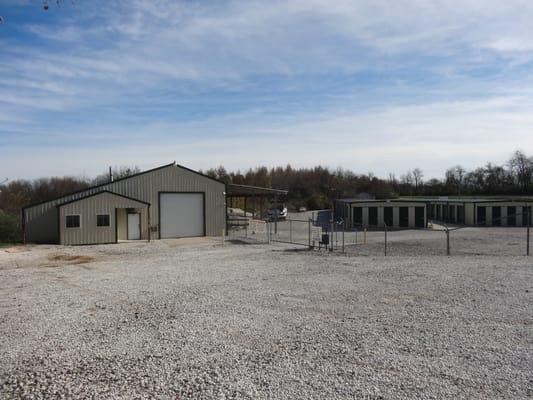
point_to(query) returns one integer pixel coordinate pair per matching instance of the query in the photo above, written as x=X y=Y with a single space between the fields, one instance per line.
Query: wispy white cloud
x=388 y=81
x=396 y=139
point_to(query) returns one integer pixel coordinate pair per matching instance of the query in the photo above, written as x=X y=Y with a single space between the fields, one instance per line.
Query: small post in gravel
x=528 y=216
x=385 y=239
x=527 y=248
x=331 y=226
x=290 y=230
x=336 y=235
x=447 y=241
x=309 y=232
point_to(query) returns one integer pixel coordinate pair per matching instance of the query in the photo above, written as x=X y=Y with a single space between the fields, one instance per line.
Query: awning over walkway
x=241 y=196
x=234 y=190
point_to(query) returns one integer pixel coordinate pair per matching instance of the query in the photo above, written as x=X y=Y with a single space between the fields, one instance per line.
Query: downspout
x=226 y=206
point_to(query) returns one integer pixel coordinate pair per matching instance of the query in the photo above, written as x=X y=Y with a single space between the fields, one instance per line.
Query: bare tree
x=522 y=169
x=406 y=181
x=455 y=177
x=116 y=173
x=417 y=178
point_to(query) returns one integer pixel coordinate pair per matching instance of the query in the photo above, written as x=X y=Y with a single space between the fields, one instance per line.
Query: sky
x=372 y=86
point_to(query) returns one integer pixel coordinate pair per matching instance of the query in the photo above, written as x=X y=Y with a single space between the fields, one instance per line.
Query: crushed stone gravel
x=149 y=320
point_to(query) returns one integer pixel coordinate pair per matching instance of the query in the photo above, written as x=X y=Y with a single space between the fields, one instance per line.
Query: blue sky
x=373 y=86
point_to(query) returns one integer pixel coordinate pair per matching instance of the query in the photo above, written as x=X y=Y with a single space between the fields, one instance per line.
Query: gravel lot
x=205 y=321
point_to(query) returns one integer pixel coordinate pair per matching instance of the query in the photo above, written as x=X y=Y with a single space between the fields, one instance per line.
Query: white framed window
x=103 y=220
x=73 y=221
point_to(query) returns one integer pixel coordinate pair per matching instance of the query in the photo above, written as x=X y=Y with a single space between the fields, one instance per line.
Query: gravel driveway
x=149 y=320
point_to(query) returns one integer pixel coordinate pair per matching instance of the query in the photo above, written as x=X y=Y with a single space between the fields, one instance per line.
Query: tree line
x=318 y=187
x=313 y=188
x=19 y=193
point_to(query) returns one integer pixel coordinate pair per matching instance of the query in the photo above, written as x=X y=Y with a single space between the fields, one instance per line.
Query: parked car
x=277 y=213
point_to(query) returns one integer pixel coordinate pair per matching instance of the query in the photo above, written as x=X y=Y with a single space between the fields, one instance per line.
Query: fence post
x=527 y=241
x=364 y=236
x=385 y=239
x=309 y=232
x=343 y=239
x=331 y=234
x=447 y=241
x=290 y=230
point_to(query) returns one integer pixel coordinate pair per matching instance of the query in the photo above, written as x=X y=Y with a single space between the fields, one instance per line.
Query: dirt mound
x=72 y=259
x=15 y=249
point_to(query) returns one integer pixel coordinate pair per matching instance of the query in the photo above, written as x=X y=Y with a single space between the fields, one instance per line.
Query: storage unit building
x=378 y=213
x=166 y=202
x=481 y=211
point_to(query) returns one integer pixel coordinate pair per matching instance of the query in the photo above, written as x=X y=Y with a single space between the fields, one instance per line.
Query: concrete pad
x=193 y=241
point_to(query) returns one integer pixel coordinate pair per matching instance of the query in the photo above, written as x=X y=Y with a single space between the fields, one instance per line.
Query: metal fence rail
x=316 y=232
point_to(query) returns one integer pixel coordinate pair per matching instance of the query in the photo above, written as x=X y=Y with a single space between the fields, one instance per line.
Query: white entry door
x=134 y=226
x=181 y=215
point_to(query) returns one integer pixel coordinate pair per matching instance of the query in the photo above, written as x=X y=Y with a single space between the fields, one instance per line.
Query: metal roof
x=248 y=191
x=470 y=199
x=102 y=192
x=353 y=201
x=122 y=179
x=442 y=199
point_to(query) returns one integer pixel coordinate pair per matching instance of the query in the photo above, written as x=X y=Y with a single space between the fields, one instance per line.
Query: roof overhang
x=139 y=202
x=234 y=190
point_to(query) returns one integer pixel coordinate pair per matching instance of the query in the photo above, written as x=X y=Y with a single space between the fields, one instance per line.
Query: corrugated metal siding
x=145 y=187
x=380 y=206
x=87 y=209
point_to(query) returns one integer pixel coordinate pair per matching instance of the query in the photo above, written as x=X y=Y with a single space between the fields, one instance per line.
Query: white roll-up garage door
x=181 y=215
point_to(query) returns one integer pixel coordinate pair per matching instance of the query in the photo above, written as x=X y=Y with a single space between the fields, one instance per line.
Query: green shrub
x=318 y=201
x=9 y=227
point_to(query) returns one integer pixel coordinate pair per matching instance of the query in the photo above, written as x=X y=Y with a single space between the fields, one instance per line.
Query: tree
x=454 y=178
x=117 y=173
x=406 y=181
x=417 y=178
x=522 y=169
x=9 y=227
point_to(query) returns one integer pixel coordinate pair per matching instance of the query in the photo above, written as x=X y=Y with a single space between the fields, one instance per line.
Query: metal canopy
x=234 y=190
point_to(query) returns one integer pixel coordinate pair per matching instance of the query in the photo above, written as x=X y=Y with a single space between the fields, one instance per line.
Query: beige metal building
x=378 y=213
x=416 y=212
x=166 y=202
x=481 y=211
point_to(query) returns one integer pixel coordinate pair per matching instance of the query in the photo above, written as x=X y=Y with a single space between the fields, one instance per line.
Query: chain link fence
x=318 y=231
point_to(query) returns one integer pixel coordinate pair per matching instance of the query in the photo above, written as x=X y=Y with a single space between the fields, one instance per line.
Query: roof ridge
x=101 y=192
x=99 y=185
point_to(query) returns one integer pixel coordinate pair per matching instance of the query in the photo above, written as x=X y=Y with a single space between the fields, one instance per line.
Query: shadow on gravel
x=297 y=250
x=238 y=241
